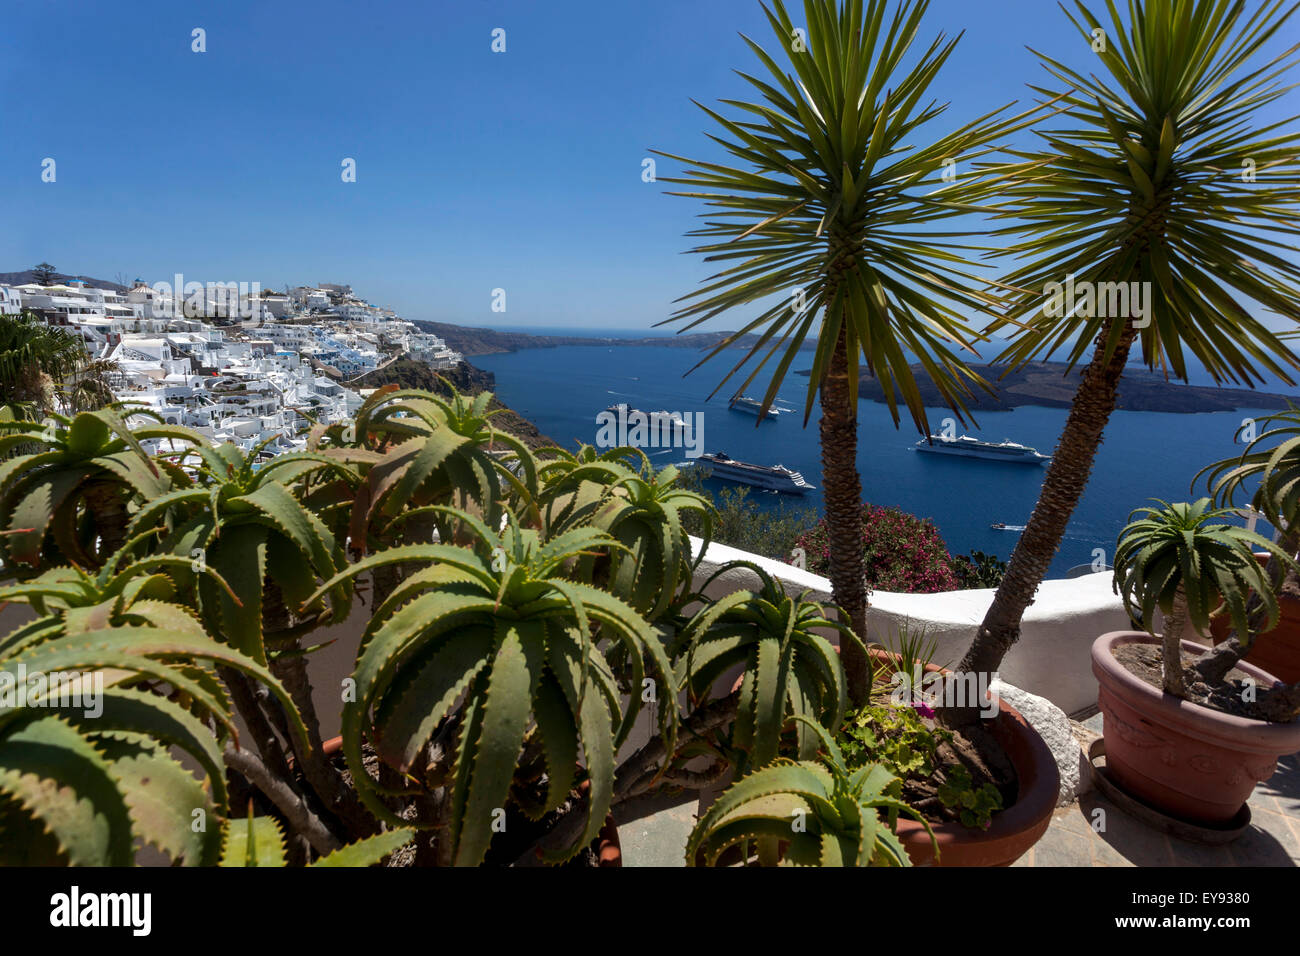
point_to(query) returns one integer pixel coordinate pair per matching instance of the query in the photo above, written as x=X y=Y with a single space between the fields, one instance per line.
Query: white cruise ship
x=771 y=478
x=967 y=447
x=752 y=406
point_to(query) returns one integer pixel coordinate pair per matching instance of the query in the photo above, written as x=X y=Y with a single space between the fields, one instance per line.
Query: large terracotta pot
x=1189 y=761
x=1013 y=830
x=1276 y=651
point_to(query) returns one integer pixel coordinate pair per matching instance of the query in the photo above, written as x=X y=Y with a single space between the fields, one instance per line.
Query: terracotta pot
x=1013 y=830
x=1276 y=651
x=1189 y=761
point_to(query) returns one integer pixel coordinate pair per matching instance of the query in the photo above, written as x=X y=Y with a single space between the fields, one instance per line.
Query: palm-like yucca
x=86 y=763
x=790 y=669
x=1163 y=173
x=818 y=813
x=643 y=510
x=1184 y=559
x=835 y=218
x=494 y=638
x=66 y=489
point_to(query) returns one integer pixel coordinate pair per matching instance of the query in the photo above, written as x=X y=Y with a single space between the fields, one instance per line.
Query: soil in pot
x=1144 y=661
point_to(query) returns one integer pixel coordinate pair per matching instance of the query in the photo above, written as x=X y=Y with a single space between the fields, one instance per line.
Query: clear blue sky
x=475 y=170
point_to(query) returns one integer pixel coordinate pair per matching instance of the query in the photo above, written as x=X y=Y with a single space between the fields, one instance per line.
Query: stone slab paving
x=1272 y=839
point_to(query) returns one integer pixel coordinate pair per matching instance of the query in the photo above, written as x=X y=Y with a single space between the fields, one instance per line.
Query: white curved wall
x=1051 y=658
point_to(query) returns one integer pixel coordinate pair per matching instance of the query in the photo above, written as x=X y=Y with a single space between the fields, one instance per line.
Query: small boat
x=751 y=406
x=967 y=447
x=999 y=526
x=770 y=478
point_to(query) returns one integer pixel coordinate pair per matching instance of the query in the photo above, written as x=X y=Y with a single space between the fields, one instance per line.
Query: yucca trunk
x=842 y=490
x=1067 y=477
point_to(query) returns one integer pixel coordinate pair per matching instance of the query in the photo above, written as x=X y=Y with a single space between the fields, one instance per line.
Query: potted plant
x=968 y=819
x=1192 y=749
x=1272 y=459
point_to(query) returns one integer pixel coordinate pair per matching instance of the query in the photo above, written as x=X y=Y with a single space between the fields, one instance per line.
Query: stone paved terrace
x=1273 y=838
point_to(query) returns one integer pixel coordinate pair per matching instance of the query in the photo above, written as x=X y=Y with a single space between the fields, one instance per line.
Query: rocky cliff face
x=471 y=341
x=1052 y=385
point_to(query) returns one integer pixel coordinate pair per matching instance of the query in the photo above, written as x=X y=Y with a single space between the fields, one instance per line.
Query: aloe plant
x=260 y=842
x=433 y=450
x=85 y=743
x=644 y=510
x=818 y=812
x=496 y=624
x=1182 y=559
x=69 y=499
x=1271 y=464
x=244 y=518
x=789 y=667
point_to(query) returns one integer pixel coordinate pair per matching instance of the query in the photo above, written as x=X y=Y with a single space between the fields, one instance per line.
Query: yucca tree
x=495 y=639
x=1161 y=171
x=834 y=223
x=1184 y=559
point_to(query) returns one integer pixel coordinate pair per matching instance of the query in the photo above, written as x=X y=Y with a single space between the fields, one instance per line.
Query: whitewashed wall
x=1051 y=658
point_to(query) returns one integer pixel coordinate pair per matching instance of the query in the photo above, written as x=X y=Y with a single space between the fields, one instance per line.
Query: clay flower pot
x=1276 y=651
x=1013 y=830
x=1189 y=761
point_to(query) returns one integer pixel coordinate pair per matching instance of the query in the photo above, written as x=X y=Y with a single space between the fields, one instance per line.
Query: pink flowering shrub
x=902 y=552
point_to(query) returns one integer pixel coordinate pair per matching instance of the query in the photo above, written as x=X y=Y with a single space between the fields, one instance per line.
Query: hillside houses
x=260 y=369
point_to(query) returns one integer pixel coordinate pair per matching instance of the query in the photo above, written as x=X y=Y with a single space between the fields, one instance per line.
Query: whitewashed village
x=229 y=360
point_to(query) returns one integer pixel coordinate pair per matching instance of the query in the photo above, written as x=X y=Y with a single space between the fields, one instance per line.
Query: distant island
x=1045 y=384
x=1050 y=385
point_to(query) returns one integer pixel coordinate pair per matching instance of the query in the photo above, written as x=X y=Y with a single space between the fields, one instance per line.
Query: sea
x=1144 y=456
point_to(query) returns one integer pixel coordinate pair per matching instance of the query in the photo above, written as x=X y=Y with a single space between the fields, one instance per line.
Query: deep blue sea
x=1145 y=454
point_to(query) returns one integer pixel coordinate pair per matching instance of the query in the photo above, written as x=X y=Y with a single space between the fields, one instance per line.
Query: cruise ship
x=968 y=447
x=751 y=406
x=774 y=478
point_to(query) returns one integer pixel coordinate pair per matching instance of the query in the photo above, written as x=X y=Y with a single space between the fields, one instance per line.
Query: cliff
x=1049 y=384
x=471 y=341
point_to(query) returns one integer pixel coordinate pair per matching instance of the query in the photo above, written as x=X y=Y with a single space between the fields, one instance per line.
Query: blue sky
x=475 y=170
